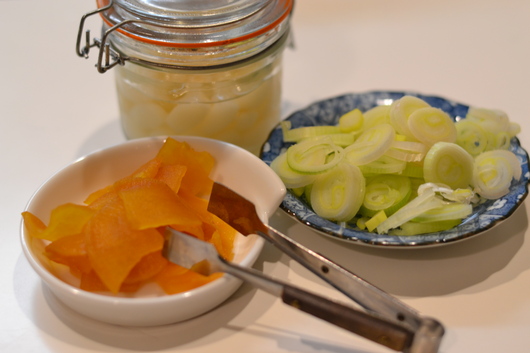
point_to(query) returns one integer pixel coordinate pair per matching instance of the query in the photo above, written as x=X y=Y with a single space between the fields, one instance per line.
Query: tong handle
x=367 y=325
x=371 y=327
x=363 y=293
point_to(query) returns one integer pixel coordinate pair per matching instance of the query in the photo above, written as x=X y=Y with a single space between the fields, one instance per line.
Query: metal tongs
x=382 y=318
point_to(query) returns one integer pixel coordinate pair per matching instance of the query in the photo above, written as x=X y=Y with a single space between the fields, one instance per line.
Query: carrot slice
x=146 y=268
x=66 y=219
x=175 y=279
x=217 y=231
x=150 y=203
x=199 y=164
x=114 y=247
x=33 y=224
x=147 y=170
x=70 y=251
x=172 y=175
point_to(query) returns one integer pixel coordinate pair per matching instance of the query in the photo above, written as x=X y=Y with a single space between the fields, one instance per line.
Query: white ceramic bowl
x=236 y=168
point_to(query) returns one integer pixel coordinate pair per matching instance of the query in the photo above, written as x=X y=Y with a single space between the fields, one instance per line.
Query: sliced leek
x=385 y=193
x=375 y=221
x=471 y=136
x=384 y=165
x=449 y=164
x=450 y=211
x=407 y=151
x=400 y=111
x=376 y=116
x=351 y=121
x=415 y=228
x=301 y=133
x=291 y=178
x=314 y=155
x=370 y=145
x=337 y=194
x=493 y=173
x=424 y=202
x=430 y=125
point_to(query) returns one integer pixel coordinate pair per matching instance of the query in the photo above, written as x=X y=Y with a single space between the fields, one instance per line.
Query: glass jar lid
x=196 y=23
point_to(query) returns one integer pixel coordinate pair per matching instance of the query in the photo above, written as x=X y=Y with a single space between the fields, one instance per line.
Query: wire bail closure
x=108 y=57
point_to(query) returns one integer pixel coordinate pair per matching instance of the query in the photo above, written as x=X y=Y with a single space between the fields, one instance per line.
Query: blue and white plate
x=327 y=112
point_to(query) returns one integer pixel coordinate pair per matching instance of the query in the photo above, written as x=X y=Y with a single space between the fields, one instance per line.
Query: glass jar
x=208 y=68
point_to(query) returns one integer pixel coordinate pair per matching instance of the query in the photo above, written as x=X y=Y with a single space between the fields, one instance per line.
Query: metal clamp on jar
x=207 y=68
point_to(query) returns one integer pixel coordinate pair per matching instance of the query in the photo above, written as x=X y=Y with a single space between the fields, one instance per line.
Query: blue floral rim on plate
x=328 y=111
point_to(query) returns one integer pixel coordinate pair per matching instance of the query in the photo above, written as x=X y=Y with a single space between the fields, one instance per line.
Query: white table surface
x=55 y=107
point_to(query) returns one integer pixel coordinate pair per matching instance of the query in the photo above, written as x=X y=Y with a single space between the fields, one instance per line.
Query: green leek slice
x=376 y=220
x=430 y=125
x=471 y=136
x=385 y=193
x=448 y=163
x=338 y=194
x=413 y=170
x=370 y=145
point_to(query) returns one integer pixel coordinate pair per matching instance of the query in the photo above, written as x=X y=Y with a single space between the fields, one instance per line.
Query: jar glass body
x=238 y=103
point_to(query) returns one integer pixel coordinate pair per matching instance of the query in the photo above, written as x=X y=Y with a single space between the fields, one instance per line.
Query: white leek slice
x=424 y=202
x=370 y=145
x=338 y=194
x=493 y=173
x=291 y=178
x=304 y=132
x=408 y=151
x=448 y=163
x=314 y=155
x=430 y=125
x=471 y=136
x=400 y=111
x=351 y=121
x=385 y=192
